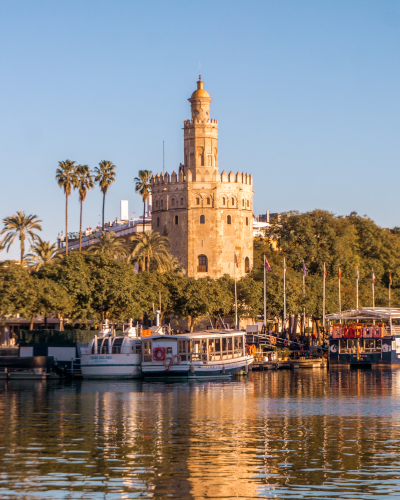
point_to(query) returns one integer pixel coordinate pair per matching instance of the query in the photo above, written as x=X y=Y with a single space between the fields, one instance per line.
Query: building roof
x=200 y=92
x=196 y=335
x=371 y=313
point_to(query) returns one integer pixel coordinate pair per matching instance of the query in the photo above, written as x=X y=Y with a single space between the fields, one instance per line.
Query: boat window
x=147 y=351
x=241 y=343
x=138 y=347
x=342 y=345
x=182 y=346
x=224 y=344
x=369 y=343
x=116 y=347
x=217 y=345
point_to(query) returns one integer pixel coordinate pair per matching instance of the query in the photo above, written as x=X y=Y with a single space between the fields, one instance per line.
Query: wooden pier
x=290 y=364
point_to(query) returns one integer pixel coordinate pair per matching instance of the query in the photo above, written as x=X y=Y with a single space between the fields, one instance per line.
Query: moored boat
x=110 y=356
x=200 y=355
x=365 y=337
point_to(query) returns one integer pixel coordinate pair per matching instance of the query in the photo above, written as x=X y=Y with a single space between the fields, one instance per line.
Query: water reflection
x=311 y=434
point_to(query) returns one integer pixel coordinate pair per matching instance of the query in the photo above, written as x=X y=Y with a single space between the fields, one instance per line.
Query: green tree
x=23 y=226
x=150 y=250
x=105 y=176
x=17 y=292
x=66 y=179
x=143 y=187
x=84 y=183
x=109 y=244
x=41 y=253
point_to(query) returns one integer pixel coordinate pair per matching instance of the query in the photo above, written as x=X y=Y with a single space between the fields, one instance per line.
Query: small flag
x=339 y=273
x=304 y=269
x=266 y=264
x=325 y=273
x=236 y=261
x=358 y=276
x=390 y=278
x=373 y=276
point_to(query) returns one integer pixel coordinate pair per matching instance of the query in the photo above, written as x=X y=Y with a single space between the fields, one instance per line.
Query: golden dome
x=200 y=92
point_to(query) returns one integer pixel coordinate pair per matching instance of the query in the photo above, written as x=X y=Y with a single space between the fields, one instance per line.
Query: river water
x=310 y=434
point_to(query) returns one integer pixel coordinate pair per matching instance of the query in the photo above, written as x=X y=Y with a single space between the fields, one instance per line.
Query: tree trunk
x=80 y=229
x=104 y=202
x=61 y=322
x=22 y=247
x=144 y=212
x=32 y=322
x=66 y=224
x=295 y=322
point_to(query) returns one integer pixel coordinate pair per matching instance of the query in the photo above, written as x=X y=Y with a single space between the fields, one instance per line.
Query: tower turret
x=201 y=137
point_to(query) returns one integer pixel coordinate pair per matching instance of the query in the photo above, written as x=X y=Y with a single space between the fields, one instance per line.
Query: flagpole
x=234 y=264
x=304 y=307
x=323 y=304
x=357 y=289
x=284 y=293
x=340 y=298
x=373 y=288
x=390 y=282
x=265 y=296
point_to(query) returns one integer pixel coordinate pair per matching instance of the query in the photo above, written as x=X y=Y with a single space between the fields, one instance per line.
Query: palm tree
x=66 y=179
x=149 y=249
x=171 y=265
x=85 y=182
x=109 y=244
x=23 y=226
x=143 y=187
x=41 y=253
x=105 y=176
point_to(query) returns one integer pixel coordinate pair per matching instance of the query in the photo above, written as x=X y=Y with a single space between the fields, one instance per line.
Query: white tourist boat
x=110 y=356
x=200 y=355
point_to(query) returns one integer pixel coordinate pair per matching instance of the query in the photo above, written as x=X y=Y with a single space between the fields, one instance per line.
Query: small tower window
x=197 y=201
x=223 y=201
x=208 y=201
x=158 y=221
x=248 y=203
x=246 y=265
x=157 y=203
x=202 y=219
x=233 y=201
x=229 y=220
x=242 y=203
x=176 y=219
x=202 y=264
x=181 y=201
x=247 y=221
x=162 y=203
x=172 y=202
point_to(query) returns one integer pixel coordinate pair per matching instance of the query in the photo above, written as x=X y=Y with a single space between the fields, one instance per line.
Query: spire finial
x=199 y=70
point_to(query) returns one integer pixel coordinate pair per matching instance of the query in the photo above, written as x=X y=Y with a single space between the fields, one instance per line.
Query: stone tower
x=207 y=216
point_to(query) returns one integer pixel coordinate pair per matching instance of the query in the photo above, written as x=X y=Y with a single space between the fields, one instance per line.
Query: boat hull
x=388 y=356
x=111 y=366
x=198 y=372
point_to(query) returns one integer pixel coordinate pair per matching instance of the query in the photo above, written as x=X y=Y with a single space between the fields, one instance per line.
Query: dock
x=290 y=364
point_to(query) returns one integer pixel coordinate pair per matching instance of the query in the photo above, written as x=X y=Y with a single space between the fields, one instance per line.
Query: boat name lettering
x=100 y=357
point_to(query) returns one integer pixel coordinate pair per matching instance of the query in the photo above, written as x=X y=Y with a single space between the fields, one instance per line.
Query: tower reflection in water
x=273 y=434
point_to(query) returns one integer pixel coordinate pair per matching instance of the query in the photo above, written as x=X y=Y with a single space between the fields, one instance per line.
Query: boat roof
x=198 y=335
x=368 y=313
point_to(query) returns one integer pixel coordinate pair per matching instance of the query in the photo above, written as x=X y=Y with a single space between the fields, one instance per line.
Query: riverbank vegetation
x=103 y=282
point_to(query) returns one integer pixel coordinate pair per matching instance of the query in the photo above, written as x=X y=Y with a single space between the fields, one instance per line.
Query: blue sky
x=306 y=94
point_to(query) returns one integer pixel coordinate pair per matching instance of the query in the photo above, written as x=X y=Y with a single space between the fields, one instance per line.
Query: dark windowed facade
x=202 y=219
x=202 y=264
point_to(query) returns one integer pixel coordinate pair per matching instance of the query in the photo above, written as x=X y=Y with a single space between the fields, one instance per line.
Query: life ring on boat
x=247 y=349
x=167 y=363
x=272 y=339
x=159 y=353
x=286 y=342
x=176 y=359
x=252 y=350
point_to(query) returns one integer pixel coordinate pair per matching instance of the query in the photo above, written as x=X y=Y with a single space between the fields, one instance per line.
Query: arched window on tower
x=247 y=221
x=158 y=221
x=242 y=203
x=197 y=201
x=208 y=201
x=172 y=202
x=246 y=265
x=223 y=201
x=162 y=203
x=248 y=203
x=233 y=202
x=181 y=202
x=176 y=219
x=202 y=219
x=202 y=266
x=229 y=220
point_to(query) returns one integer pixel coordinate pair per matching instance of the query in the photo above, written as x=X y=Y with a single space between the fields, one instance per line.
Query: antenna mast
x=163 y=165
